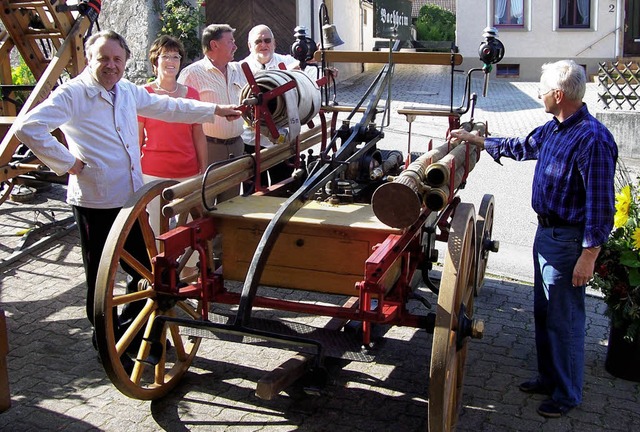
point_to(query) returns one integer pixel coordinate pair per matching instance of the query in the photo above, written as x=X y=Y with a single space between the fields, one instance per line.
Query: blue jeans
x=559 y=311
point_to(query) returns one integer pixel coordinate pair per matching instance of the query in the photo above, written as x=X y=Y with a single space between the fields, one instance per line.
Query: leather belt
x=554 y=221
x=222 y=141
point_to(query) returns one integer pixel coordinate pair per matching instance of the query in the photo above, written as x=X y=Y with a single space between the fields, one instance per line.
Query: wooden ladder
x=38 y=31
x=50 y=39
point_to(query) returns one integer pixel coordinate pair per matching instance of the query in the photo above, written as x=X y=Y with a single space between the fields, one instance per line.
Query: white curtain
x=516 y=9
x=563 y=9
x=500 y=7
x=583 y=8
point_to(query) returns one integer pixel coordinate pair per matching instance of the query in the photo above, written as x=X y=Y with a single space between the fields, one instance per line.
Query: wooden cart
x=315 y=232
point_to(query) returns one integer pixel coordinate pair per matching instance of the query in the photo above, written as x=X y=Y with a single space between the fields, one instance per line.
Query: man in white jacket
x=97 y=112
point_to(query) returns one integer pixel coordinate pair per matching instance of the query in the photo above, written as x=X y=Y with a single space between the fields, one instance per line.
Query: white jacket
x=274 y=63
x=101 y=134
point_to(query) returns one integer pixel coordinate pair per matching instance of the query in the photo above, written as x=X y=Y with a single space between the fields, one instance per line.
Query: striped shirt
x=214 y=87
x=574 y=175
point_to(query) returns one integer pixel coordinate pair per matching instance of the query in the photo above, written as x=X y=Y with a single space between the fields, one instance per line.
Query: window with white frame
x=508 y=13
x=574 y=13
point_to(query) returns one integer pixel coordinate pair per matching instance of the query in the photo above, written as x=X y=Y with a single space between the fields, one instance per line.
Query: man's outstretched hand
x=230 y=112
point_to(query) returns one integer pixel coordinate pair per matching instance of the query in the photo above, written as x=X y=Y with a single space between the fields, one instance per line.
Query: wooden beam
x=6 y=45
x=347 y=109
x=426 y=112
x=283 y=376
x=294 y=368
x=7 y=120
x=5 y=396
x=428 y=58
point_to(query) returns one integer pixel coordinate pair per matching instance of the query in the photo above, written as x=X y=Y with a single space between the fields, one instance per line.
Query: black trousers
x=94 y=226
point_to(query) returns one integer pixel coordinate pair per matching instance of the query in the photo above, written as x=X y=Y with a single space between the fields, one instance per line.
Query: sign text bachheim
x=393 y=17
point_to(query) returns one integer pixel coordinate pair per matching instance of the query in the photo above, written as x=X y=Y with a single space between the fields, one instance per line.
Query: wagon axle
x=468 y=328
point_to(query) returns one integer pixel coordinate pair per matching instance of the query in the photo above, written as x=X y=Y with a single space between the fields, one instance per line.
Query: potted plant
x=617 y=276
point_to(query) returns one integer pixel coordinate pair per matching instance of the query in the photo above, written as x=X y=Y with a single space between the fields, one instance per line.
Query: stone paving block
x=557 y=425
x=503 y=423
x=79 y=426
x=499 y=382
x=619 y=421
x=523 y=351
x=591 y=420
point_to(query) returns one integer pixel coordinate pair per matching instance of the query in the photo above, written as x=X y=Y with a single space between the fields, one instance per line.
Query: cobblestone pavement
x=58 y=384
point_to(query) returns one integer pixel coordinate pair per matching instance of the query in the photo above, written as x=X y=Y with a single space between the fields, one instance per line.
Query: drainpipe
x=312 y=22
x=361 y=33
x=619 y=25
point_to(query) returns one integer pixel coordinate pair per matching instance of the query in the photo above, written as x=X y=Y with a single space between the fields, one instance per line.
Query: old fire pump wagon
x=354 y=224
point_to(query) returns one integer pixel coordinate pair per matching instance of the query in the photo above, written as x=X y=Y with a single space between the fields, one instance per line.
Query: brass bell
x=330 y=37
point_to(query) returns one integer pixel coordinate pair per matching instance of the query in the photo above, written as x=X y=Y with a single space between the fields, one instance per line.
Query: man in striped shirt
x=218 y=78
x=573 y=195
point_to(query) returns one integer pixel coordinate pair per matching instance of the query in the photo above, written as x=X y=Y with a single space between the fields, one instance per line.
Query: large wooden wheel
x=453 y=322
x=121 y=350
x=484 y=243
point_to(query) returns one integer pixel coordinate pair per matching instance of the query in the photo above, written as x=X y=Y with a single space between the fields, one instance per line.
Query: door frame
x=631 y=29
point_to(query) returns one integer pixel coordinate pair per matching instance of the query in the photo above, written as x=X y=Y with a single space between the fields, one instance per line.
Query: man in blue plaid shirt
x=573 y=195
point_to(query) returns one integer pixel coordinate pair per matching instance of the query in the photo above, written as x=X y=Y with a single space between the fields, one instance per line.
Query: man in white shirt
x=97 y=112
x=220 y=80
x=263 y=56
x=262 y=47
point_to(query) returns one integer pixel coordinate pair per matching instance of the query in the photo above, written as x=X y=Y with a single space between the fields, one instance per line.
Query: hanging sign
x=392 y=19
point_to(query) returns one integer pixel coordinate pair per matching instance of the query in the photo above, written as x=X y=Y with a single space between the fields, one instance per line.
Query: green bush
x=183 y=21
x=435 y=24
x=21 y=75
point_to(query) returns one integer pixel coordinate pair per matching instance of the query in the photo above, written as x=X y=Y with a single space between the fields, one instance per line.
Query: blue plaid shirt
x=574 y=175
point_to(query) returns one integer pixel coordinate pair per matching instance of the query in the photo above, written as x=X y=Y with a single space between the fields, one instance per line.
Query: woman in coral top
x=175 y=151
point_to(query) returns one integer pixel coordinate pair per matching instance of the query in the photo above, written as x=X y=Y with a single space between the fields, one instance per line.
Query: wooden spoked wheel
x=484 y=243
x=121 y=350
x=5 y=189
x=455 y=308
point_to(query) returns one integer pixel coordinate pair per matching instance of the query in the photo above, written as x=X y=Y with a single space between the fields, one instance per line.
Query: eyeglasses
x=175 y=57
x=542 y=92
x=259 y=41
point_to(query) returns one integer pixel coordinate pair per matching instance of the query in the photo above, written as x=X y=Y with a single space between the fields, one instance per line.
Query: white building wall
x=347 y=15
x=541 y=40
x=308 y=16
x=351 y=24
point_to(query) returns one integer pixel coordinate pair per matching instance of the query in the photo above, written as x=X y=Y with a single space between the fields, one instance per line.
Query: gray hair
x=109 y=35
x=257 y=29
x=568 y=76
x=214 y=32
